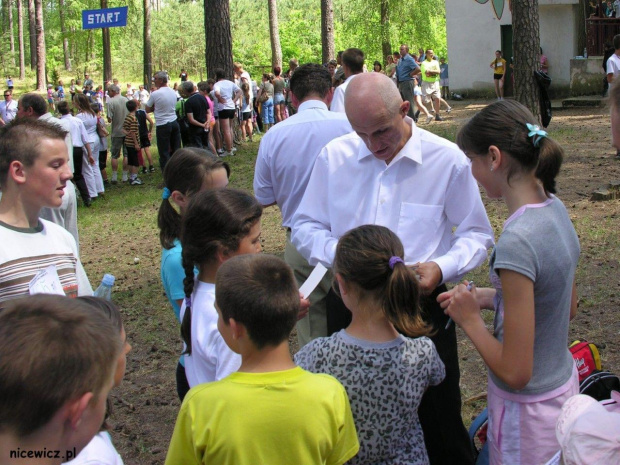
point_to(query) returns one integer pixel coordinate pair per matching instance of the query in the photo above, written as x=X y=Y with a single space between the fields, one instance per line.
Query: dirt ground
x=146 y=404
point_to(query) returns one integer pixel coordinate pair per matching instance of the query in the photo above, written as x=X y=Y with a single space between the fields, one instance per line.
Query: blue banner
x=108 y=17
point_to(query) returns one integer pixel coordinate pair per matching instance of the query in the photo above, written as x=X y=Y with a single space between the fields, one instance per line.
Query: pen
x=469 y=286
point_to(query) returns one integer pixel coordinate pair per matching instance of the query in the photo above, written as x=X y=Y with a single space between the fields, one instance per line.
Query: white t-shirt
x=211 y=359
x=25 y=251
x=163 y=101
x=99 y=451
x=227 y=90
x=613 y=65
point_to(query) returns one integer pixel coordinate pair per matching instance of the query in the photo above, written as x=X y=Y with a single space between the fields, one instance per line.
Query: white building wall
x=473 y=33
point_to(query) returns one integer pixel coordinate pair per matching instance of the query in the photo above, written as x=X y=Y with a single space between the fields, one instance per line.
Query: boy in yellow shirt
x=270 y=411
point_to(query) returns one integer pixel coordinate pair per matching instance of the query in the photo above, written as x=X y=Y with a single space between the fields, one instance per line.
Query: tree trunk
x=274 y=34
x=218 y=51
x=526 y=46
x=386 y=46
x=9 y=5
x=327 y=30
x=33 y=35
x=20 y=39
x=148 y=55
x=107 y=54
x=40 y=34
x=63 y=31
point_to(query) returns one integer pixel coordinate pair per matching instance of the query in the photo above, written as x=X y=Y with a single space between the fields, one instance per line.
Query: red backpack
x=586 y=358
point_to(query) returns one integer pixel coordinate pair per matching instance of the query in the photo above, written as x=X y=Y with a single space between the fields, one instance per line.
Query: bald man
x=391 y=173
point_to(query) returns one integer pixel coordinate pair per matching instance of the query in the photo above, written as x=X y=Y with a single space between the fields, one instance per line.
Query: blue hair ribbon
x=166 y=193
x=394 y=260
x=536 y=134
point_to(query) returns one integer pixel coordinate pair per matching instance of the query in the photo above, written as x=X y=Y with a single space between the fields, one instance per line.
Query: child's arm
x=512 y=360
x=484 y=296
x=151 y=123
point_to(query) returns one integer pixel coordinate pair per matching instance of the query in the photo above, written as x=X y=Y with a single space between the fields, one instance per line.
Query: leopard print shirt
x=385 y=383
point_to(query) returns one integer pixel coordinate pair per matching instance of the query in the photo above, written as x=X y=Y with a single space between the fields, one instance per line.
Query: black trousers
x=168 y=141
x=445 y=436
x=78 y=178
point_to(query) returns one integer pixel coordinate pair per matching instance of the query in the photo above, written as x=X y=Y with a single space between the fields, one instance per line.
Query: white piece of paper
x=46 y=281
x=313 y=280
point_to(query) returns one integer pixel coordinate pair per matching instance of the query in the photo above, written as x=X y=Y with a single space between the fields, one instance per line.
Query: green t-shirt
x=278 y=418
x=432 y=65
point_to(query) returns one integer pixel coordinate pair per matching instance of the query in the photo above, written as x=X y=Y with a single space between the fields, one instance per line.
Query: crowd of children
x=352 y=397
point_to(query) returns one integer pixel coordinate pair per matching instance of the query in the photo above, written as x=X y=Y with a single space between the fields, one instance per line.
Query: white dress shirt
x=79 y=136
x=425 y=192
x=287 y=154
x=338 y=100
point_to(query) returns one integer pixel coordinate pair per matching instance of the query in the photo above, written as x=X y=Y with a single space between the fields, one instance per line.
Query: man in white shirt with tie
x=391 y=173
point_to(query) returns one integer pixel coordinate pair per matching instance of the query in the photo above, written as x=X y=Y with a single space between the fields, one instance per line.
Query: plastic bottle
x=105 y=288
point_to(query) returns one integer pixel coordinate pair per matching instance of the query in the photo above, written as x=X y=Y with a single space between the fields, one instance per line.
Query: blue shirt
x=404 y=68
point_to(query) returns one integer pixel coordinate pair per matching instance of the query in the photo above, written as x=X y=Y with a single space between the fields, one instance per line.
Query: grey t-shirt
x=540 y=242
x=117 y=111
x=385 y=383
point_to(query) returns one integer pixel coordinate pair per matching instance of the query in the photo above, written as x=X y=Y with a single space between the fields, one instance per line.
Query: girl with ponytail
x=532 y=270
x=384 y=372
x=217 y=225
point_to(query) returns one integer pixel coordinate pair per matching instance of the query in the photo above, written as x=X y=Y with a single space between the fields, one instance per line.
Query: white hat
x=587 y=433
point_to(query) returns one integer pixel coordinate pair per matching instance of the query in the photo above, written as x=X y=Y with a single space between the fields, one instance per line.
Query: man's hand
x=430 y=276
x=304 y=307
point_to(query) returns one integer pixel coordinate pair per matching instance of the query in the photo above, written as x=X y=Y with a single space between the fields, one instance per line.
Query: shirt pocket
x=419 y=229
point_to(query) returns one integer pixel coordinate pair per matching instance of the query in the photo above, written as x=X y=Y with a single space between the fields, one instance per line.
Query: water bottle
x=105 y=288
x=585 y=52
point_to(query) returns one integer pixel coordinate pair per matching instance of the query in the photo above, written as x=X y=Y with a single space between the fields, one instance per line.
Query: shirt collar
x=411 y=150
x=312 y=104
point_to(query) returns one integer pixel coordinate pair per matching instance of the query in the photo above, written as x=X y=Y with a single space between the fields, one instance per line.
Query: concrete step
x=585 y=101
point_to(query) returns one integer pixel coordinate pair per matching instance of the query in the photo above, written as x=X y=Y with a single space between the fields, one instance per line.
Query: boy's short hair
x=260 y=292
x=20 y=141
x=131 y=105
x=63 y=107
x=53 y=349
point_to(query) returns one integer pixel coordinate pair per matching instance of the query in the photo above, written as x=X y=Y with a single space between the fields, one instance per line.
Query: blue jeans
x=168 y=141
x=267 y=113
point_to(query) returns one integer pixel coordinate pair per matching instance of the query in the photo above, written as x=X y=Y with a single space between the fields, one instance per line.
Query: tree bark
x=148 y=55
x=526 y=46
x=107 y=54
x=33 y=35
x=63 y=30
x=40 y=35
x=218 y=51
x=386 y=46
x=274 y=34
x=9 y=5
x=20 y=39
x=327 y=30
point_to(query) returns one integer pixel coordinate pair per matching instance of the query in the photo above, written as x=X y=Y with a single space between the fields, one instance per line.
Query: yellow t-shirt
x=279 y=418
x=432 y=65
x=499 y=66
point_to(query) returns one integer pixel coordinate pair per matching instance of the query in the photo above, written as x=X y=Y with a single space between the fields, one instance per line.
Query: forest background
x=178 y=34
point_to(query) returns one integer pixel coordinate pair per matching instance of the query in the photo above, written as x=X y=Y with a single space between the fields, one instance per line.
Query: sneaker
x=449 y=110
x=233 y=150
x=136 y=182
x=106 y=182
x=416 y=115
x=220 y=151
x=144 y=170
x=224 y=154
x=114 y=181
x=429 y=118
x=151 y=169
x=438 y=118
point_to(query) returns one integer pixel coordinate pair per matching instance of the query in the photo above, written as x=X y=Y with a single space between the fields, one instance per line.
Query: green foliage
x=178 y=34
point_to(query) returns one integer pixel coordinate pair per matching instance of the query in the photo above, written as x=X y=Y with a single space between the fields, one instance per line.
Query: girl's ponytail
x=401 y=302
x=550 y=157
x=188 y=289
